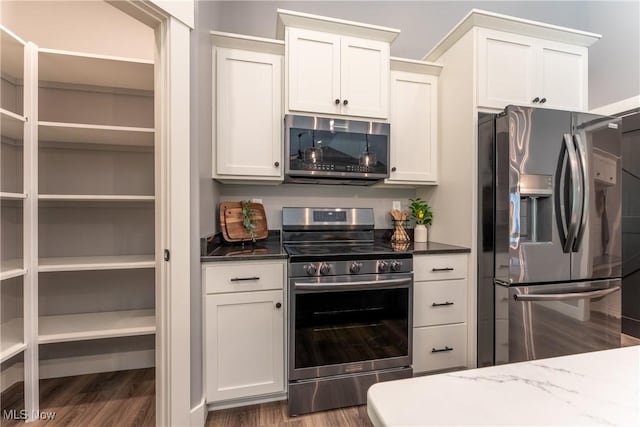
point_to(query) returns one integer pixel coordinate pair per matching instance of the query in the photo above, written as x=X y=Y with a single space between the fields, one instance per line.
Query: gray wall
x=614 y=61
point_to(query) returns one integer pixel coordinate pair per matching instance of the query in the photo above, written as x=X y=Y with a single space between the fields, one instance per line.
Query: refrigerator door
x=536 y=166
x=597 y=248
x=536 y=322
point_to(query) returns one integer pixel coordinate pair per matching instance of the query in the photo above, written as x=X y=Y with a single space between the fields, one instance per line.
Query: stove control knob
x=310 y=269
x=383 y=266
x=355 y=267
x=396 y=265
x=325 y=269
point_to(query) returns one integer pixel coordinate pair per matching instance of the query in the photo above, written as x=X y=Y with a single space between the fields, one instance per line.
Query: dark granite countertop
x=437 y=248
x=213 y=249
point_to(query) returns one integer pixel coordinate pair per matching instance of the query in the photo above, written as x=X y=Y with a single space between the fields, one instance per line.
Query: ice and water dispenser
x=536 y=208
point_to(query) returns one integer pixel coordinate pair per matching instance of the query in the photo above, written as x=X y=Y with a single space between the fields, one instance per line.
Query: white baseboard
x=199 y=414
x=247 y=401
x=80 y=365
x=11 y=375
x=618 y=107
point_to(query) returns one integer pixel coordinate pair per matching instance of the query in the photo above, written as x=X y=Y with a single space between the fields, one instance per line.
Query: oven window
x=343 y=327
x=337 y=151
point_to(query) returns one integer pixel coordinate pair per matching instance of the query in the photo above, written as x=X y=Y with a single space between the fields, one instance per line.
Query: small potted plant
x=421 y=211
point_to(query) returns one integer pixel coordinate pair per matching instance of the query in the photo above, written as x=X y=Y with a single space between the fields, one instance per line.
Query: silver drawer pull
x=244 y=279
x=440 y=304
x=440 y=350
x=442 y=269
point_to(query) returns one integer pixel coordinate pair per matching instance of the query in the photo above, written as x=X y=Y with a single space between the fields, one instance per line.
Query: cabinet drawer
x=439 y=267
x=439 y=347
x=439 y=302
x=243 y=276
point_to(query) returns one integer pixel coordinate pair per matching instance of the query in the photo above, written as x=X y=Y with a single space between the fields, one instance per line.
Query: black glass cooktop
x=343 y=251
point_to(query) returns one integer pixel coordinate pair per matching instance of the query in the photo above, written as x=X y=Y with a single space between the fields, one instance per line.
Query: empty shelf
x=11 y=268
x=89 y=326
x=80 y=133
x=11 y=339
x=95 y=70
x=95 y=198
x=11 y=125
x=118 y=262
x=12 y=196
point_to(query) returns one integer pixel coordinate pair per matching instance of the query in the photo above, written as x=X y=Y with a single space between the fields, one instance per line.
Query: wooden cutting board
x=231 y=222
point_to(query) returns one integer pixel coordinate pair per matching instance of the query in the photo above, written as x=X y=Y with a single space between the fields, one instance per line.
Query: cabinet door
x=414 y=132
x=313 y=65
x=364 y=84
x=439 y=347
x=248 y=114
x=244 y=344
x=506 y=64
x=562 y=75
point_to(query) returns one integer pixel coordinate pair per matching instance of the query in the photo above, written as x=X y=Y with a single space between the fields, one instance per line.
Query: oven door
x=349 y=324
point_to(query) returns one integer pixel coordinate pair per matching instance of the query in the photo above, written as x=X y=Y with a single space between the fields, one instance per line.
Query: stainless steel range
x=350 y=305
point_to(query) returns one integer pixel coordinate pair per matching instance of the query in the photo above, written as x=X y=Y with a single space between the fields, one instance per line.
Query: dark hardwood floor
x=275 y=414
x=127 y=398
x=124 y=398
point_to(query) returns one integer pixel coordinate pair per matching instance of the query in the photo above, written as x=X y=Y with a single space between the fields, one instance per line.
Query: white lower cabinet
x=244 y=331
x=439 y=312
x=439 y=347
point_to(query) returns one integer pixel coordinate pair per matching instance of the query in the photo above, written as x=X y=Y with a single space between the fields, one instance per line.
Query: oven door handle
x=363 y=285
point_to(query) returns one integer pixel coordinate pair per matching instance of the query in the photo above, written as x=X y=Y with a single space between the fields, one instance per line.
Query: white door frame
x=172 y=183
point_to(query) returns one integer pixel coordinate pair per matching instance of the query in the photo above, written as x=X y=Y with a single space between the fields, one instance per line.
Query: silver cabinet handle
x=564 y=297
x=442 y=269
x=244 y=279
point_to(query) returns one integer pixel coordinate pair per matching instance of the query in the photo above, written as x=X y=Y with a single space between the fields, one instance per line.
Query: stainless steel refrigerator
x=549 y=239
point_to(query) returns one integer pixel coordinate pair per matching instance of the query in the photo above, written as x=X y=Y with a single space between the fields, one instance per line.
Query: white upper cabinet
x=364 y=77
x=314 y=71
x=335 y=67
x=334 y=74
x=523 y=70
x=562 y=75
x=414 y=124
x=248 y=115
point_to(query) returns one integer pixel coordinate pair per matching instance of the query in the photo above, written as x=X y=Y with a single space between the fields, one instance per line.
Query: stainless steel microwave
x=335 y=151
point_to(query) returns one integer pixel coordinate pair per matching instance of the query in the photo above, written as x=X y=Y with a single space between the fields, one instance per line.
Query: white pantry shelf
x=95 y=70
x=11 y=268
x=11 y=339
x=12 y=196
x=89 y=326
x=89 y=263
x=12 y=53
x=11 y=125
x=94 y=198
x=81 y=133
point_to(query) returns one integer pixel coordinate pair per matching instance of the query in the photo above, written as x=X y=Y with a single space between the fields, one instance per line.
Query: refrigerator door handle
x=576 y=193
x=564 y=297
x=582 y=155
x=559 y=196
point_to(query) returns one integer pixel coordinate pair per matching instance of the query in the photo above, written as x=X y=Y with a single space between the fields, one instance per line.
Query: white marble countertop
x=599 y=388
